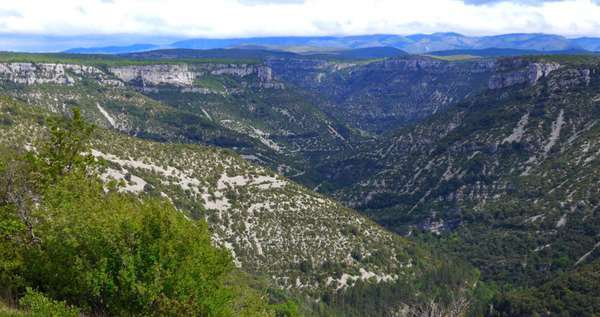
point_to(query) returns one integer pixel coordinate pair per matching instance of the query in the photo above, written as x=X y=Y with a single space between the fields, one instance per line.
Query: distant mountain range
x=506 y=52
x=113 y=49
x=413 y=44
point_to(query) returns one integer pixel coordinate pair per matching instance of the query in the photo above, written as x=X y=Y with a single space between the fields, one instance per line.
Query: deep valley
x=349 y=186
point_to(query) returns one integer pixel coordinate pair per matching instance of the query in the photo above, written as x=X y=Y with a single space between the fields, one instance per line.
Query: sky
x=26 y=23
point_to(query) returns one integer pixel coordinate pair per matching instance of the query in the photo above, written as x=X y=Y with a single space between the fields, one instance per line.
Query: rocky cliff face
x=142 y=76
x=52 y=73
x=185 y=75
x=153 y=75
x=516 y=72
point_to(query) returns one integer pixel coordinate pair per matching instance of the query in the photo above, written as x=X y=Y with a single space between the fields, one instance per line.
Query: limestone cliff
x=151 y=76
x=520 y=72
x=51 y=73
x=184 y=75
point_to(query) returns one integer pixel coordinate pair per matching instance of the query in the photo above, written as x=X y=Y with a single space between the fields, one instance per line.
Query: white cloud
x=237 y=18
x=259 y=2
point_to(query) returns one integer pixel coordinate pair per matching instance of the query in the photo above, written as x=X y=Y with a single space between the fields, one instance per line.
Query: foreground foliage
x=64 y=234
x=41 y=306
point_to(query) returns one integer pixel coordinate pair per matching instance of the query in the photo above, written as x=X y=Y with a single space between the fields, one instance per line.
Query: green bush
x=41 y=306
x=286 y=309
x=115 y=253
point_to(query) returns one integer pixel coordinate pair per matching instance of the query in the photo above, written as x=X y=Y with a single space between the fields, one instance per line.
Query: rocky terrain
x=512 y=171
x=527 y=73
x=141 y=76
x=51 y=73
x=492 y=160
x=190 y=75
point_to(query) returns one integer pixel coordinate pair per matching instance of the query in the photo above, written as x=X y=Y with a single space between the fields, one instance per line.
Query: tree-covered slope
x=509 y=178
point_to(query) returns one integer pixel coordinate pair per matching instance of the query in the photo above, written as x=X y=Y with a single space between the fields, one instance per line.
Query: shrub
x=41 y=306
x=112 y=252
